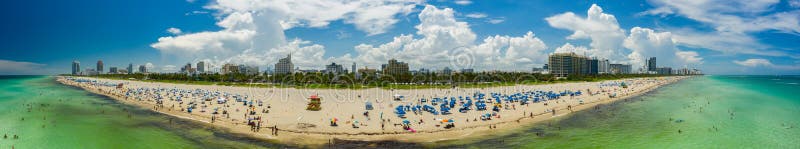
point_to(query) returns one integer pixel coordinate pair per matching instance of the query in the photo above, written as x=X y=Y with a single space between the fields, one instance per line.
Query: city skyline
x=762 y=39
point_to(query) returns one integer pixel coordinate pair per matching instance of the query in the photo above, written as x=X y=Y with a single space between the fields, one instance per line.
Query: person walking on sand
x=276 y=130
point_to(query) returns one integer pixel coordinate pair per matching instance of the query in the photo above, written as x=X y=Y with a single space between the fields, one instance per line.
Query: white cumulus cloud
x=476 y=15
x=603 y=30
x=174 y=31
x=463 y=2
x=253 y=28
x=645 y=42
x=446 y=42
x=609 y=41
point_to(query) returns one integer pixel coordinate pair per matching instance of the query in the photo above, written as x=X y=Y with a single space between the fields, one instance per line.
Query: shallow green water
x=717 y=112
x=67 y=117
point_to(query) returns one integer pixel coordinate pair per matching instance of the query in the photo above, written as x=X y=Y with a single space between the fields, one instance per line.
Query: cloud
x=8 y=67
x=174 y=31
x=476 y=15
x=689 y=57
x=732 y=16
x=373 y=17
x=732 y=21
x=440 y=33
x=724 y=42
x=169 y=68
x=754 y=62
x=239 y=31
x=645 y=42
x=196 y=12
x=569 y=48
x=764 y=64
x=496 y=20
x=149 y=66
x=794 y=3
x=609 y=41
x=446 y=42
x=463 y=2
x=255 y=27
x=603 y=30
x=510 y=53
x=341 y=34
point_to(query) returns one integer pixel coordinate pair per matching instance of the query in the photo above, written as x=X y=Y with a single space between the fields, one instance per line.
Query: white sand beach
x=287 y=108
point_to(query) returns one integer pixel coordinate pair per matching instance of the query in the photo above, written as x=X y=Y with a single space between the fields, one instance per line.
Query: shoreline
x=326 y=135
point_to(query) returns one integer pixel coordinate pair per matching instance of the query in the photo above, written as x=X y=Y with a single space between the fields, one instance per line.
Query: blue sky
x=717 y=36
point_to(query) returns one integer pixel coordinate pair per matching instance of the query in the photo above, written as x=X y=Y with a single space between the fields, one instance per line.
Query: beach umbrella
x=405 y=121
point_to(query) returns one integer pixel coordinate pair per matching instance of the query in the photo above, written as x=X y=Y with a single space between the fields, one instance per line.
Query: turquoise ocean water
x=701 y=112
x=45 y=114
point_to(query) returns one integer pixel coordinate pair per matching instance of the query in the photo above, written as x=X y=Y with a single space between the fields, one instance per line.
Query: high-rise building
x=99 y=66
x=620 y=69
x=201 y=67
x=284 y=65
x=355 y=72
x=130 y=68
x=664 y=70
x=447 y=71
x=592 y=65
x=334 y=68
x=76 y=67
x=395 y=67
x=142 y=69
x=603 y=66
x=229 y=68
x=423 y=71
x=188 y=69
x=367 y=71
x=565 y=64
x=244 y=69
x=113 y=70
x=467 y=70
x=89 y=71
x=651 y=64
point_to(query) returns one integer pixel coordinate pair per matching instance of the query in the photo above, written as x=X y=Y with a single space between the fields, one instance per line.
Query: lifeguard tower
x=315 y=103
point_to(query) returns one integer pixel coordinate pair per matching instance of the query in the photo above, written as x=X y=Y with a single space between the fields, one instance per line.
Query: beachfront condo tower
x=142 y=69
x=395 y=67
x=603 y=66
x=355 y=72
x=651 y=64
x=201 y=67
x=113 y=70
x=130 y=68
x=620 y=69
x=99 y=66
x=76 y=67
x=565 y=64
x=334 y=68
x=284 y=65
